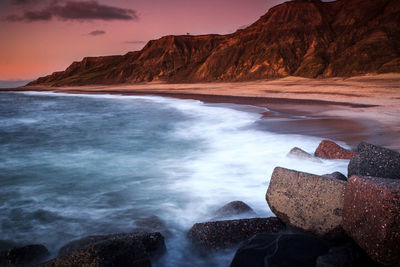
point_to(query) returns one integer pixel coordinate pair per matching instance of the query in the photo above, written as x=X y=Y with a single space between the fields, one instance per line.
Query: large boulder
x=130 y=249
x=330 y=150
x=23 y=256
x=375 y=161
x=307 y=201
x=301 y=154
x=224 y=234
x=371 y=216
x=280 y=250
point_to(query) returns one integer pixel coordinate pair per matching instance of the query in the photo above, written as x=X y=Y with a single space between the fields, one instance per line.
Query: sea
x=79 y=165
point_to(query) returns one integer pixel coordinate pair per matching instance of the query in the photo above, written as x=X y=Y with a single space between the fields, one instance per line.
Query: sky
x=38 y=37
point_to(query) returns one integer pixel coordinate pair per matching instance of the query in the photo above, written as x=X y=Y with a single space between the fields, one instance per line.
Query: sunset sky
x=40 y=37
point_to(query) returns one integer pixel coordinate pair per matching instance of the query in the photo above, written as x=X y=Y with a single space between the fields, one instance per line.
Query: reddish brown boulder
x=330 y=150
x=223 y=234
x=371 y=216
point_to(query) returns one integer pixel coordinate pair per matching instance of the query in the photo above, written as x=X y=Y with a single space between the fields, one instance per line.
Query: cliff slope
x=300 y=38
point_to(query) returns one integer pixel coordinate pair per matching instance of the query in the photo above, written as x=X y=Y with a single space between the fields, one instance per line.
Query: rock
x=375 y=161
x=23 y=256
x=301 y=154
x=234 y=208
x=335 y=175
x=280 y=250
x=330 y=150
x=306 y=201
x=130 y=249
x=224 y=234
x=306 y=38
x=345 y=255
x=152 y=224
x=8 y=244
x=371 y=216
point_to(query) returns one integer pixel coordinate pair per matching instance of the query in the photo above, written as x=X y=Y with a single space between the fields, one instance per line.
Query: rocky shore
x=327 y=220
x=321 y=220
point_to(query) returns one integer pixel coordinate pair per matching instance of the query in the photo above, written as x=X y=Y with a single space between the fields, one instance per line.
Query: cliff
x=300 y=38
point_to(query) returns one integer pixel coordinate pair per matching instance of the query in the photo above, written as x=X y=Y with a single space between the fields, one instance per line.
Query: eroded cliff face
x=300 y=38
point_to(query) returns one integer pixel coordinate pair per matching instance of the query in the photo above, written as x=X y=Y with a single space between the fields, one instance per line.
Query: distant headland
x=310 y=39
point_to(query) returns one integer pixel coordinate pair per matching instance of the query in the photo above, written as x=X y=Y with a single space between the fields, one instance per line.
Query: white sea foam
x=235 y=160
x=229 y=160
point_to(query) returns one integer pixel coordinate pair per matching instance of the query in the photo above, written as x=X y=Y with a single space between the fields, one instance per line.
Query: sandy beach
x=344 y=109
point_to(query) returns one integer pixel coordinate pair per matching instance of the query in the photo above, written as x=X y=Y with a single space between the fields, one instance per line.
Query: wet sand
x=365 y=108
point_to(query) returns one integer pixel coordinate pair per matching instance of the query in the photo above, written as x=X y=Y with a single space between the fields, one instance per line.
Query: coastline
x=364 y=108
x=301 y=116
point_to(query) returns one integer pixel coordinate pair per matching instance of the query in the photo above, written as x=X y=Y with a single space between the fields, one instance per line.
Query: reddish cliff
x=301 y=38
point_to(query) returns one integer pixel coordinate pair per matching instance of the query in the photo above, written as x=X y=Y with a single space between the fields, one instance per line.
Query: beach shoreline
x=364 y=108
x=343 y=119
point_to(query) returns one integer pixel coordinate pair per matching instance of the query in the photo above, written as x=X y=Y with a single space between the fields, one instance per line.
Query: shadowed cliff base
x=299 y=38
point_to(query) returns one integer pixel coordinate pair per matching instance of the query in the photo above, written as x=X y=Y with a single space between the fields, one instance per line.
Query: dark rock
x=306 y=201
x=131 y=249
x=224 y=234
x=152 y=224
x=344 y=256
x=23 y=256
x=280 y=250
x=375 y=161
x=330 y=150
x=234 y=208
x=301 y=154
x=8 y=244
x=336 y=175
x=371 y=216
